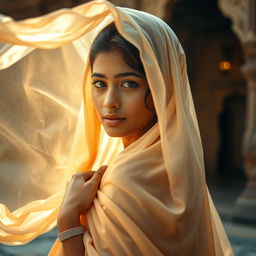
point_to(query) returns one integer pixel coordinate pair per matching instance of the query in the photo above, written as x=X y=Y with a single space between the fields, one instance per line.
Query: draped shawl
x=153 y=198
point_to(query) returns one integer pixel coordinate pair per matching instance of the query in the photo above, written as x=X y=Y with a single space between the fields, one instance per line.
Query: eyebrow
x=119 y=75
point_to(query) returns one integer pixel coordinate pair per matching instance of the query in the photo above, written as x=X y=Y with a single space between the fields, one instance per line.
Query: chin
x=114 y=133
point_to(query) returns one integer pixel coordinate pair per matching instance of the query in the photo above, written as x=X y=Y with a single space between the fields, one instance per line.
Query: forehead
x=110 y=62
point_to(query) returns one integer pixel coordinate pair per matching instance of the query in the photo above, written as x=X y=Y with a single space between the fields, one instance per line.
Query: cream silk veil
x=153 y=199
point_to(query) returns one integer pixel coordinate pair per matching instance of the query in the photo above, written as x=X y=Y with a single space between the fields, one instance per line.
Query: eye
x=99 y=84
x=130 y=84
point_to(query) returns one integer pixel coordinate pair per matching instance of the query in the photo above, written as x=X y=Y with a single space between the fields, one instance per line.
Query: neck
x=130 y=138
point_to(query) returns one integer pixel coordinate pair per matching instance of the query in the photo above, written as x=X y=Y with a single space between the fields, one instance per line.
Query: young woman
x=124 y=105
x=151 y=198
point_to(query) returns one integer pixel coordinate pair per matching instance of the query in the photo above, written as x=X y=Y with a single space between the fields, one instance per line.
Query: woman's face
x=118 y=93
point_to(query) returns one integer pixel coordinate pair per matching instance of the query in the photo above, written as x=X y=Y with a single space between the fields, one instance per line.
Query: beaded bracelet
x=71 y=233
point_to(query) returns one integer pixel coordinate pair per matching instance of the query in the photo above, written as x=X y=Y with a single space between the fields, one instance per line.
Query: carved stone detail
x=236 y=11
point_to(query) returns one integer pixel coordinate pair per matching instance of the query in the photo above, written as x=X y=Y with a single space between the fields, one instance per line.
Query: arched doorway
x=231 y=130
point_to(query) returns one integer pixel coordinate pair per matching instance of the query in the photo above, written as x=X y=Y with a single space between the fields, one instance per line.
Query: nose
x=112 y=99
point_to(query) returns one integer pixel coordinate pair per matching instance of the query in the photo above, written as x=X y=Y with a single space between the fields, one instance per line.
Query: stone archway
x=243 y=15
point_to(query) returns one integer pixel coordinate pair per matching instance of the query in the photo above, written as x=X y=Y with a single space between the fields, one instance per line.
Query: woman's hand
x=80 y=193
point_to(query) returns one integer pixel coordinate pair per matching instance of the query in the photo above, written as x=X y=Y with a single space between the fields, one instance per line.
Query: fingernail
x=103 y=168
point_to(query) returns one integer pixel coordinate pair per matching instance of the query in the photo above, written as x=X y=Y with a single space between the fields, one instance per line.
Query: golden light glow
x=225 y=65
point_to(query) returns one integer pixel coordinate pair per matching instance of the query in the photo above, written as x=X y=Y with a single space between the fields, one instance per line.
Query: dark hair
x=110 y=38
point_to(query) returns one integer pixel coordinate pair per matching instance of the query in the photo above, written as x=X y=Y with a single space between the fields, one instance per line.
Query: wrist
x=67 y=220
x=71 y=233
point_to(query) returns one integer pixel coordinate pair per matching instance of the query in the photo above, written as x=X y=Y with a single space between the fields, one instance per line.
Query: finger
x=99 y=173
x=102 y=169
x=83 y=175
x=96 y=178
x=87 y=175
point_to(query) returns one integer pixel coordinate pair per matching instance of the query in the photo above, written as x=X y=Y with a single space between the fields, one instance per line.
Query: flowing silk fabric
x=153 y=199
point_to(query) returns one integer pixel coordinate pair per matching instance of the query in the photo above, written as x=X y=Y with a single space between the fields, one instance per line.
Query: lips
x=113 y=120
x=113 y=117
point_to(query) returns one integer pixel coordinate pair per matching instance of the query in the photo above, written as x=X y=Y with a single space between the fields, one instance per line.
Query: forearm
x=74 y=245
x=79 y=195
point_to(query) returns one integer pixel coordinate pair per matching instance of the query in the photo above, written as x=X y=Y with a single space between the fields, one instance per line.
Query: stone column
x=243 y=15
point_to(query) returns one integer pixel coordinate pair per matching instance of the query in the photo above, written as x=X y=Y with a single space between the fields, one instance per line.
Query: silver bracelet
x=71 y=233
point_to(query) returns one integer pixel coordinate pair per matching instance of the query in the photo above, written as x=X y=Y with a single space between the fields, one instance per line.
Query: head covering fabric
x=153 y=198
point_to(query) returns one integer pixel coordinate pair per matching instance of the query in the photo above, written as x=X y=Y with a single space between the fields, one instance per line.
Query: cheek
x=150 y=103
x=137 y=107
x=96 y=102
